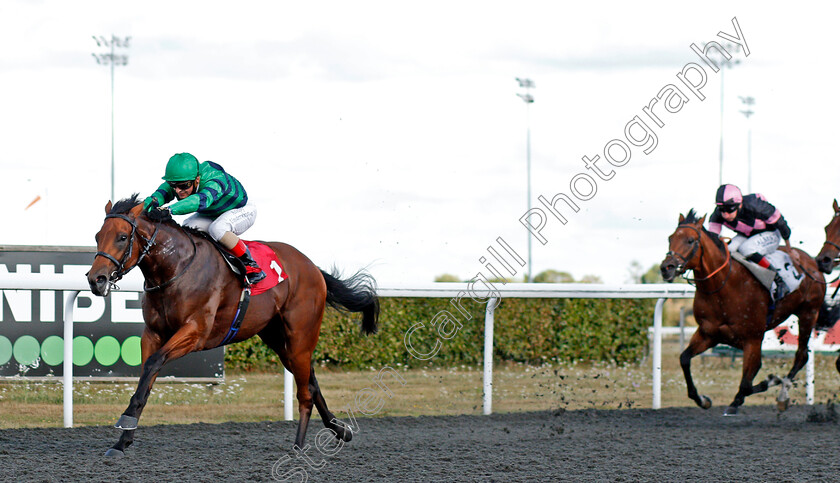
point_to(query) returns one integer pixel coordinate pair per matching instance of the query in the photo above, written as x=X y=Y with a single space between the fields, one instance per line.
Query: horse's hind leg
x=300 y=367
x=299 y=362
x=342 y=432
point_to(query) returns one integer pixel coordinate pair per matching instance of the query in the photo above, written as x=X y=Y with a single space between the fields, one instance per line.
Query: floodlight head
x=526 y=83
x=527 y=98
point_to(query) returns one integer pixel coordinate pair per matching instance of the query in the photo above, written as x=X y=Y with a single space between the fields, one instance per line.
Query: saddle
x=766 y=276
x=265 y=257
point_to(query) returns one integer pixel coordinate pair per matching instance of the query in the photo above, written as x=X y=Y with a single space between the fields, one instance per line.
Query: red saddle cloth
x=267 y=260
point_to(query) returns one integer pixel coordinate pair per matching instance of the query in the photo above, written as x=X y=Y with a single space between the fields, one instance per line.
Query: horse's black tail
x=829 y=314
x=355 y=294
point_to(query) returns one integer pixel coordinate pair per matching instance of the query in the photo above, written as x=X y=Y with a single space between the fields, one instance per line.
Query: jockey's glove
x=159 y=214
x=150 y=203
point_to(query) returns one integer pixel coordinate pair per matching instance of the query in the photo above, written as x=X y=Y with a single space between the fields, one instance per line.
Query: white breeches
x=762 y=243
x=236 y=221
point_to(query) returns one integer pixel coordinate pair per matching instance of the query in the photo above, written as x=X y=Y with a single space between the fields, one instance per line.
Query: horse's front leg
x=752 y=363
x=697 y=345
x=150 y=342
x=180 y=344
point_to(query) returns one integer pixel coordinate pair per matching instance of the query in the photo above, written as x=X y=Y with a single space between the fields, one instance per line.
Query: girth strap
x=244 y=299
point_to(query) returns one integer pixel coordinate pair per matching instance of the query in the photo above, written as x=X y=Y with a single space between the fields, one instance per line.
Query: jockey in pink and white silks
x=759 y=225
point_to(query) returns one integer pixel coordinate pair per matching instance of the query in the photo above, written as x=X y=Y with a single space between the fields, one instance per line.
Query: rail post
x=288 y=386
x=488 y=356
x=68 y=357
x=657 y=354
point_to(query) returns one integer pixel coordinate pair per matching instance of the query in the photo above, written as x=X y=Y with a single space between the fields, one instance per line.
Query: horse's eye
x=123 y=237
x=691 y=241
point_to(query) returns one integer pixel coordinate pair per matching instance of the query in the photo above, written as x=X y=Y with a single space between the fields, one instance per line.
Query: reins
x=702 y=251
x=829 y=242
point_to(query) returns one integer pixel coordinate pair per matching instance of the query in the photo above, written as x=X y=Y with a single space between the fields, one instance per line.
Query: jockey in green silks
x=218 y=201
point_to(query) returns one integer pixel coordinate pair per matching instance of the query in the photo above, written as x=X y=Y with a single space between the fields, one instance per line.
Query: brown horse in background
x=192 y=298
x=828 y=257
x=732 y=307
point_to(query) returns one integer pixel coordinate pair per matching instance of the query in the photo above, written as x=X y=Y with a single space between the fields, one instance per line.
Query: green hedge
x=526 y=330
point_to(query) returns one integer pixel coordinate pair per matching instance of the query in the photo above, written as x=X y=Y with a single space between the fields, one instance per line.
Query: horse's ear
x=137 y=210
x=108 y=207
x=682 y=219
x=701 y=220
x=836 y=207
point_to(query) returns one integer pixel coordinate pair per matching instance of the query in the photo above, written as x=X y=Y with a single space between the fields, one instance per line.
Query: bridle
x=685 y=260
x=121 y=270
x=836 y=259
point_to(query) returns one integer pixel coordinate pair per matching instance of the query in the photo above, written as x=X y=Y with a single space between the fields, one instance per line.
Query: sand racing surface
x=677 y=444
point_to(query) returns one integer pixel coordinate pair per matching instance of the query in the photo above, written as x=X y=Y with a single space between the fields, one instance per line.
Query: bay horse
x=828 y=257
x=192 y=297
x=827 y=260
x=732 y=307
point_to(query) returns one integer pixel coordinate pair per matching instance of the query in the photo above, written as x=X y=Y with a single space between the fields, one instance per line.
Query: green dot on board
x=107 y=350
x=27 y=350
x=52 y=350
x=131 y=351
x=5 y=350
x=82 y=351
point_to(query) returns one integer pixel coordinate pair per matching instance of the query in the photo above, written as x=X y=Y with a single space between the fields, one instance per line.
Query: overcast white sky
x=389 y=135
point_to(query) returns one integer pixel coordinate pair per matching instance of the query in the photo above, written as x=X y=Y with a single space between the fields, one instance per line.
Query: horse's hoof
x=783 y=405
x=705 y=402
x=114 y=452
x=126 y=423
x=731 y=411
x=343 y=433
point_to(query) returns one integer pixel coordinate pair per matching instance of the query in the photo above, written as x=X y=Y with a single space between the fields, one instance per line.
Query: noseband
x=121 y=270
x=829 y=242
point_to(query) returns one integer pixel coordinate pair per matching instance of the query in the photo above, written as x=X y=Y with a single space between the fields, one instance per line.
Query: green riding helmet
x=181 y=167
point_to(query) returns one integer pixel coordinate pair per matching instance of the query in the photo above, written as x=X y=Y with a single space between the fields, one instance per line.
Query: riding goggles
x=180 y=185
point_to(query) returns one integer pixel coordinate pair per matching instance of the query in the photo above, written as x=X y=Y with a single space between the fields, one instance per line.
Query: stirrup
x=254 y=278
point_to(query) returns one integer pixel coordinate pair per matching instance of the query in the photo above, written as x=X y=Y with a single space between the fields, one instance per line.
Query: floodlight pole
x=529 y=99
x=724 y=64
x=749 y=102
x=112 y=60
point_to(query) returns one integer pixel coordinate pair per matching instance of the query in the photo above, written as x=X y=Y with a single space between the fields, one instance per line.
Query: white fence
x=554 y=290
x=133 y=283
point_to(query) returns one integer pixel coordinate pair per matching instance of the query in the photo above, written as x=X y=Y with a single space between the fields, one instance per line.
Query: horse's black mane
x=691 y=218
x=127 y=204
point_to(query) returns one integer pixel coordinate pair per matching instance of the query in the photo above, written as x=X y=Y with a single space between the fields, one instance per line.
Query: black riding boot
x=781 y=288
x=253 y=272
